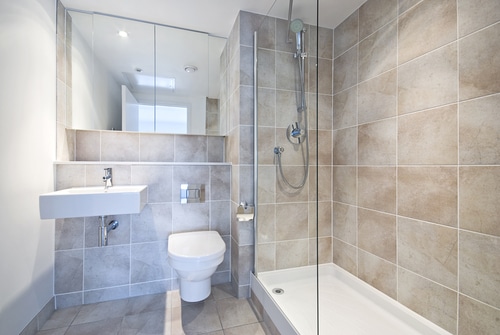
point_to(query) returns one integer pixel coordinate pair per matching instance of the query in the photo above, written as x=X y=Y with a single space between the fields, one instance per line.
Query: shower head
x=296 y=25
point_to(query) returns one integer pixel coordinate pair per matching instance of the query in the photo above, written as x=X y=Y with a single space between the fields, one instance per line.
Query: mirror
x=138 y=76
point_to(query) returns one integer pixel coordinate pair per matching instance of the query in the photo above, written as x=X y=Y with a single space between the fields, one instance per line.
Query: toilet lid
x=200 y=244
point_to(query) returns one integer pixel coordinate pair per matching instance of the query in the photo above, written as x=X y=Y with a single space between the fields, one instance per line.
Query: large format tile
x=377 y=234
x=235 y=312
x=378 y=272
x=377 y=188
x=479 y=199
x=476 y=14
x=106 y=267
x=344 y=184
x=428 y=137
x=429 y=250
x=344 y=223
x=480 y=63
x=428 y=194
x=345 y=146
x=344 y=108
x=374 y=14
x=427 y=26
x=378 y=52
x=346 y=34
x=479 y=126
x=346 y=70
x=479 y=271
x=428 y=81
x=433 y=301
x=377 y=98
x=475 y=317
x=377 y=142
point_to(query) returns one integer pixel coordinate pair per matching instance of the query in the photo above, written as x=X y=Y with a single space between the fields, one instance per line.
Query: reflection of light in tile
x=173 y=312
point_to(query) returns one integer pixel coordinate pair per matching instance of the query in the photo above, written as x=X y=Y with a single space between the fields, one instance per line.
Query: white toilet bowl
x=195 y=257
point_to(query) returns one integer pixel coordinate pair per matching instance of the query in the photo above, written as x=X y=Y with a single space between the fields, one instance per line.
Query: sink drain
x=278 y=290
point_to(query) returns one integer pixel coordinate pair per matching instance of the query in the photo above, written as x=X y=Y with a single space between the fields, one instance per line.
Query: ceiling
x=216 y=17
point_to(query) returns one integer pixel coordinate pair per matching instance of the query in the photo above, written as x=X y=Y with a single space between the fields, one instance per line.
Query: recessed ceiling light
x=190 y=68
x=122 y=33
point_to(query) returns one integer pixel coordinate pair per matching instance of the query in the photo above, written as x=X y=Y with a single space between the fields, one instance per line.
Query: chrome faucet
x=108 y=178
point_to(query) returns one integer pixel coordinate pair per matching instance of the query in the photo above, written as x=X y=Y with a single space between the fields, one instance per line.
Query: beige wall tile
x=119 y=146
x=285 y=80
x=344 y=255
x=346 y=70
x=479 y=126
x=479 y=270
x=190 y=148
x=480 y=199
x=374 y=14
x=377 y=143
x=346 y=34
x=266 y=260
x=378 y=52
x=345 y=143
x=150 y=148
x=286 y=108
x=377 y=97
x=266 y=69
x=477 y=14
x=324 y=250
x=292 y=221
x=324 y=149
x=434 y=302
x=325 y=71
x=377 y=188
x=477 y=318
x=480 y=63
x=291 y=254
x=345 y=223
x=425 y=27
x=428 y=194
x=325 y=115
x=88 y=145
x=377 y=234
x=404 y=5
x=267 y=184
x=344 y=184
x=345 y=108
x=324 y=189
x=266 y=107
x=378 y=273
x=325 y=44
x=429 y=250
x=267 y=229
x=428 y=81
x=324 y=216
x=428 y=137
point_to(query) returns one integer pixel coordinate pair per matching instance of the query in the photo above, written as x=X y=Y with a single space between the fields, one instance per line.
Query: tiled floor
x=158 y=314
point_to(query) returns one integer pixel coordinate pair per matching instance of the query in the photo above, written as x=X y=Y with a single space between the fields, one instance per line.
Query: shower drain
x=278 y=290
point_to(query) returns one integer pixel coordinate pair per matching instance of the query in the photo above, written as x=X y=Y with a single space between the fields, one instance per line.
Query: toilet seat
x=196 y=246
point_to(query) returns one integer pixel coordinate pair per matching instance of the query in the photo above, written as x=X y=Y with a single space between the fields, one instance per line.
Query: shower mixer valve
x=295 y=134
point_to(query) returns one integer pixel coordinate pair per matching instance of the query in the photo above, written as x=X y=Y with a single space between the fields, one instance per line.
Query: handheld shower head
x=296 y=25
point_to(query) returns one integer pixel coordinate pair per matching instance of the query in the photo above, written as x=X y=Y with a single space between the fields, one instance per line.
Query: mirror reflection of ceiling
x=217 y=17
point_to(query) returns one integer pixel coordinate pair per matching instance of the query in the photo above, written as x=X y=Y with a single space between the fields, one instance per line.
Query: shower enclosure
x=288 y=200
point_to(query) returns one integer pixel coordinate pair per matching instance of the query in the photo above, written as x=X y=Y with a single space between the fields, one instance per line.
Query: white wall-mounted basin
x=93 y=201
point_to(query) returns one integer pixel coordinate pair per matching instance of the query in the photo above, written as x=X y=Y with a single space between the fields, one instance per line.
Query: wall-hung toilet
x=195 y=257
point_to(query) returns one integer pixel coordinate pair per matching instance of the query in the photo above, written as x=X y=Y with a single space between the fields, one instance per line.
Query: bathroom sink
x=93 y=201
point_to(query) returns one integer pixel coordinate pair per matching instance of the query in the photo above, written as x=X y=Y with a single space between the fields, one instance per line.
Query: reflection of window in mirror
x=169 y=119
